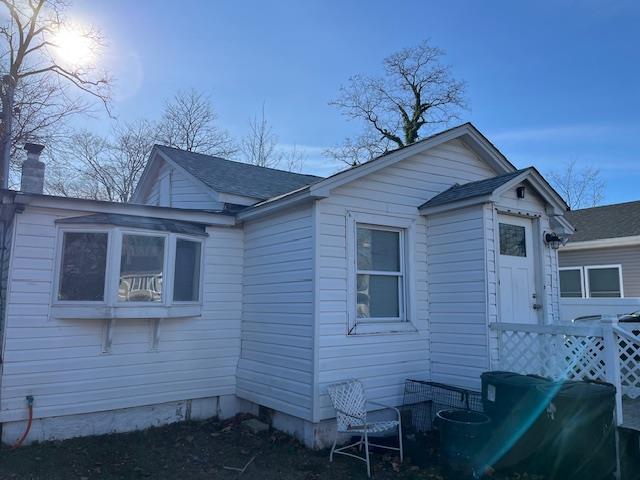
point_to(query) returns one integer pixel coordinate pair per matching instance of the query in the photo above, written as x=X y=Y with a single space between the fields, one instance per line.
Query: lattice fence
x=629 y=354
x=554 y=355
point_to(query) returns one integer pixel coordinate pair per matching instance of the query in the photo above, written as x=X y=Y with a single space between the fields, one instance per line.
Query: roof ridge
x=236 y=161
x=630 y=202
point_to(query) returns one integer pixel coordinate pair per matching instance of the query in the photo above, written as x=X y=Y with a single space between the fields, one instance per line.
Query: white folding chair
x=350 y=403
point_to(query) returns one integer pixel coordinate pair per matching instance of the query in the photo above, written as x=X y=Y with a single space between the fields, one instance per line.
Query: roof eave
x=445 y=207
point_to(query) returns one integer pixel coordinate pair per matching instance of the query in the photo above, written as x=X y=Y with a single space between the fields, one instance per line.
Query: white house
x=228 y=286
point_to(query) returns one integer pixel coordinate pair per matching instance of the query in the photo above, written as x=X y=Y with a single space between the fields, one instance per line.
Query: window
x=141 y=268
x=83 y=266
x=604 y=281
x=600 y=281
x=123 y=268
x=186 y=282
x=379 y=273
x=571 y=283
x=512 y=240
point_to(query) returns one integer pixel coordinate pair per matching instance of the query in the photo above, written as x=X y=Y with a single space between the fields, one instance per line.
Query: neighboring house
x=600 y=265
x=229 y=286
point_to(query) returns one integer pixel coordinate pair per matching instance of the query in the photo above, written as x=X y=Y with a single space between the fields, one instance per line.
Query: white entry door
x=518 y=300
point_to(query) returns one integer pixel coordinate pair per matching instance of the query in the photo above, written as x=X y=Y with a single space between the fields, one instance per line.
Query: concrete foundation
x=126 y=419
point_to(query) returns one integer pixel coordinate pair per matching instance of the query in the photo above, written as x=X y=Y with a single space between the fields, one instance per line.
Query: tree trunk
x=8 y=93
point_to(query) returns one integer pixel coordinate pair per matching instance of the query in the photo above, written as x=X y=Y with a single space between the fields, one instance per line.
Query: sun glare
x=73 y=47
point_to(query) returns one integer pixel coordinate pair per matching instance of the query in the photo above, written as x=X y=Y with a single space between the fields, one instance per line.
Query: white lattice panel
x=629 y=353
x=553 y=355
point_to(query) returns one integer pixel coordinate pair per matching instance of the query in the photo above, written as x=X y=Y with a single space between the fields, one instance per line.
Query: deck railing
x=603 y=351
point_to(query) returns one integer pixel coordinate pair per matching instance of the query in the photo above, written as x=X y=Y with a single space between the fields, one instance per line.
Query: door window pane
x=570 y=283
x=186 y=283
x=378 y=296
x=512 y=240
x=82 y=270
x=378 y=250
x=141 y=265
x=604 y=282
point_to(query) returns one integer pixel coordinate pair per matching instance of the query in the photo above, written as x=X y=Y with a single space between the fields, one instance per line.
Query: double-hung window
x=380 y=273
x=598 y=281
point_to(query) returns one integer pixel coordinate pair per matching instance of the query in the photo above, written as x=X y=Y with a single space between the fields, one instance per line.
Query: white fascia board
x=237 y=199
x=530 y=175
x=602 y=243
x=324 y=187
x=469 y=202
x=97 y=206
x=272 y=206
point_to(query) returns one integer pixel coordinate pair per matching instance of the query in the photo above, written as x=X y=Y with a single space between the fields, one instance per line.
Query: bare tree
x=35 y=37
x=580 y=187
x=293 y=159
x=259 y=146
x=416 y=92
x=106 y=169
x=189 y=123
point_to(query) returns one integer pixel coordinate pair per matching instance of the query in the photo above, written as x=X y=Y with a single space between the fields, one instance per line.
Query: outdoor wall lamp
x=554 y=240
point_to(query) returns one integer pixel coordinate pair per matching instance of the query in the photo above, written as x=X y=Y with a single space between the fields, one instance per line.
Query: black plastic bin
x=463 y=434
x=515 y=405
x=579 y=428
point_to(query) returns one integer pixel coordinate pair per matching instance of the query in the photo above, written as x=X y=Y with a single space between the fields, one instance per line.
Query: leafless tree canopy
x=259 y=146
x=416 y=93
x=580 y=187
x=189 y=122
x=103 y=168
x=28 y=63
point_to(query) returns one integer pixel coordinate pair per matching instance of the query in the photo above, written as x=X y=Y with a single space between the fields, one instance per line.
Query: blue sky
x=547 y=81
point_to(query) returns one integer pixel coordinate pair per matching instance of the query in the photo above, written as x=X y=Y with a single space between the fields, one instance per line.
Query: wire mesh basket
x=422 y=400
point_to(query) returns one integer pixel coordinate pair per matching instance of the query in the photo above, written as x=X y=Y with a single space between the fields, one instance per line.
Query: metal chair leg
x=400 y=440
x=335 y=440
x=366 y=453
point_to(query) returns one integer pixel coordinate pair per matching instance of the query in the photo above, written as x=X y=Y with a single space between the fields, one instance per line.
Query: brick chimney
x=32 y=180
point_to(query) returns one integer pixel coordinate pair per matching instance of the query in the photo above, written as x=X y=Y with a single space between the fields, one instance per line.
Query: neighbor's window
x=380 y=277
x=141 y=268
x=83 y=266
x=512 y=240
x=571 y=283
x=186 y=282
x=603 y=281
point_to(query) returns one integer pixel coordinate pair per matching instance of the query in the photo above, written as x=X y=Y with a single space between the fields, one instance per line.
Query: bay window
x=124 y=269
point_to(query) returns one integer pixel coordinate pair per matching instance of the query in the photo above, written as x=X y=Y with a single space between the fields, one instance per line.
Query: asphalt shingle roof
x=608 y=221
x=471 y=189
x=227 y=176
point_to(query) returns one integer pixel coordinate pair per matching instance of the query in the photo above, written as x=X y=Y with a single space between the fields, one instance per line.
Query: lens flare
x=74 y=47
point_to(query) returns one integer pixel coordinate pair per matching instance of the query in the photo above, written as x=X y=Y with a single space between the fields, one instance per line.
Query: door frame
x=537 y=250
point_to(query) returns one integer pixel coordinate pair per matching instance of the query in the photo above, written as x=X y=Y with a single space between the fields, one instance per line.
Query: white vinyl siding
x=60 y=361
x=383 y=361
x=172 y=187
x=276 y=364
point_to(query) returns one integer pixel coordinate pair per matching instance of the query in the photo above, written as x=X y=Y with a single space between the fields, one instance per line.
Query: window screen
x=604 y=282
x=186 y=283
x=512 y=240
x=571 y=283
x=83 y=266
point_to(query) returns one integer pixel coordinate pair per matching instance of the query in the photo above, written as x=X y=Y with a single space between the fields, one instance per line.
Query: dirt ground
x=200 y=450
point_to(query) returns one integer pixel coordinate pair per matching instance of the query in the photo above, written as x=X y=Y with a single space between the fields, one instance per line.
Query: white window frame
x=110 y=306
x=600 y=267
x=583 y=290
x=406 y=227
